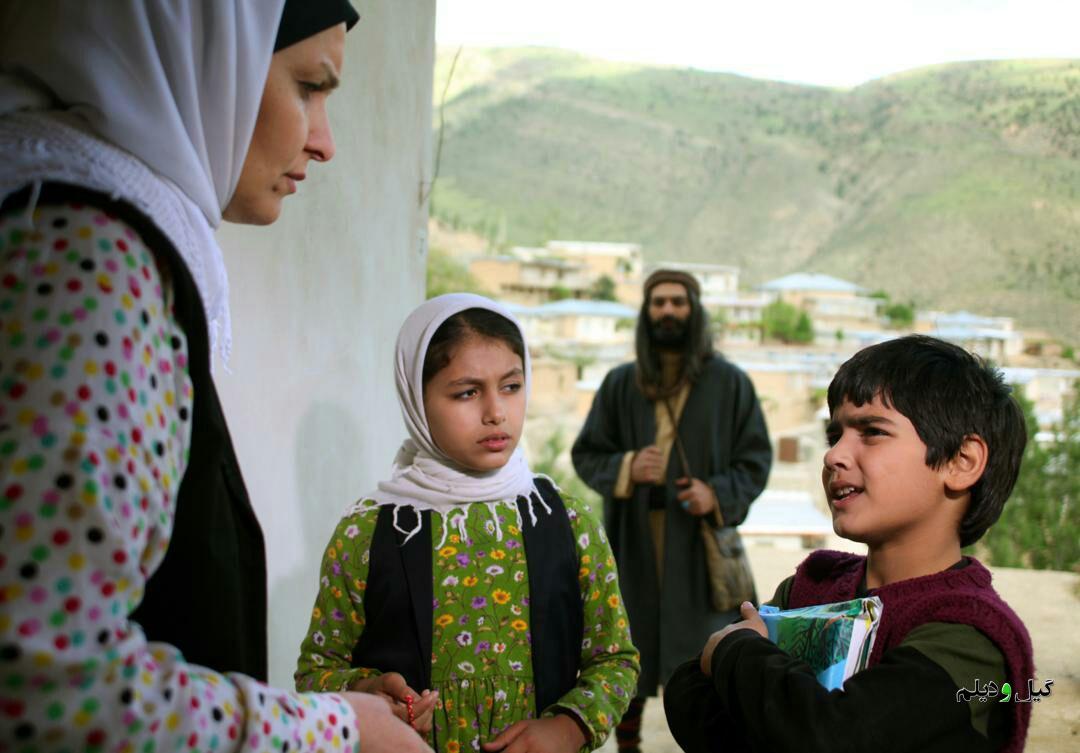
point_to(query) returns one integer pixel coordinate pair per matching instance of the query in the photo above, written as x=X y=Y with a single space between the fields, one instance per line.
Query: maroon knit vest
x=963 y=596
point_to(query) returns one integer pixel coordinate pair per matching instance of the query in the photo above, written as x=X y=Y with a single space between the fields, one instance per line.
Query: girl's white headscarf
x=153 y=103
x=423 y=476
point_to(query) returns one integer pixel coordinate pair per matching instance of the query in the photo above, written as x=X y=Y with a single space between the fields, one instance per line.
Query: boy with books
x=925 y=447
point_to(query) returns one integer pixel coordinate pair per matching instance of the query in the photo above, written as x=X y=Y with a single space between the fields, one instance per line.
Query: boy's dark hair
x=948 y=394
x=463 y=325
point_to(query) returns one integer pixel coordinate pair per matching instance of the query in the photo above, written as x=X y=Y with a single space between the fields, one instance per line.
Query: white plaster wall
x=317 y=300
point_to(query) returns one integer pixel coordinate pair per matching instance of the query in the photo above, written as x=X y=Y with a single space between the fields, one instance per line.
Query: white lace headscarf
x=423 y=476
x=152 y=103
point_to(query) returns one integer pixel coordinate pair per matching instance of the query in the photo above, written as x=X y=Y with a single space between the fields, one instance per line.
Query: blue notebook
x=834 y=639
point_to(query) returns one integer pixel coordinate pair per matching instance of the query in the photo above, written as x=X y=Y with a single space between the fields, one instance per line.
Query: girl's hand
x=556 y=734
x=379 y=731
x=751 y=620
x=392 y=688
x=424 y=711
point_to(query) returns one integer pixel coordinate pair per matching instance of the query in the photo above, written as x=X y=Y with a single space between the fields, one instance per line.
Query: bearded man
x=676 y=445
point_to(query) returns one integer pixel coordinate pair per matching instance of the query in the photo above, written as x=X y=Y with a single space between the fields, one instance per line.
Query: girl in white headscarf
x=132 y=571
x=464 y=574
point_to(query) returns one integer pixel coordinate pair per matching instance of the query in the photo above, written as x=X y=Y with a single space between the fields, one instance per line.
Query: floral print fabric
x=481 y=663
x=95 y=421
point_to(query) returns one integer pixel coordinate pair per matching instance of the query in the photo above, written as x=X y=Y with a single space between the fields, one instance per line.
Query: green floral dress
x=481 y=662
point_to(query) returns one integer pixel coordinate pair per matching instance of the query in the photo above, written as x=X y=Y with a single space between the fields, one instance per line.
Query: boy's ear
x=967 y=466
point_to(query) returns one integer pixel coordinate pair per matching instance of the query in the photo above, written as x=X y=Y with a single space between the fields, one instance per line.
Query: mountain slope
x=955 y=186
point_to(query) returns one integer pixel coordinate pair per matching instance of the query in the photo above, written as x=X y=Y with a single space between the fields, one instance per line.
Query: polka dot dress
x=95 y=422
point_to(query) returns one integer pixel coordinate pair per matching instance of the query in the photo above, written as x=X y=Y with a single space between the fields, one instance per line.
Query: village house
x=833 y=305
x=529 y=277
x=992 y=337
x=1048 y=390
x=619 y=262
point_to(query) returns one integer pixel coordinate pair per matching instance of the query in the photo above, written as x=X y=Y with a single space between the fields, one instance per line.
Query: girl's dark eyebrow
x=477 y=380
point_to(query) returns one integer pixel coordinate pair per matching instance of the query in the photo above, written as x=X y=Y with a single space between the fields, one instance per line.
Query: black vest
x=398 y=621
x=208 y=596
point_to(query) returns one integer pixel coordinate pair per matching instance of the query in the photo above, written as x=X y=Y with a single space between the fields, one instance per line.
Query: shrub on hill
x=782 y=321
x=1040 y=525
x=446 y=274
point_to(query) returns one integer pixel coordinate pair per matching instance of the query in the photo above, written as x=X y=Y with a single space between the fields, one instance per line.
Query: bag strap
x=683 y=461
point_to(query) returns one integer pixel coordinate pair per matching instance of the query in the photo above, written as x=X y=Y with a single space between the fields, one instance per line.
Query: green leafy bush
x=1040 y=525
x=445 y=274
x=782 y=321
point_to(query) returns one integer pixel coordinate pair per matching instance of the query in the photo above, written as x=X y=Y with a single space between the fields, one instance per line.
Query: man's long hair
x=697 y=350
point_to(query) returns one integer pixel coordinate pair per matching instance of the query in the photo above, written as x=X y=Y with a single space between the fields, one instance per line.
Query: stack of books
x=834 y=639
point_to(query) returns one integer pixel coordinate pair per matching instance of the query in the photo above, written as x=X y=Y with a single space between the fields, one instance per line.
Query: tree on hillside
x=782 y=321
x=549 y=462
x=804 y=330
x=560 y=293
x=1040 y=525
x=581 y=360
x=603 y=289
x=445 y=274
x=718 y=323
x=900 y=315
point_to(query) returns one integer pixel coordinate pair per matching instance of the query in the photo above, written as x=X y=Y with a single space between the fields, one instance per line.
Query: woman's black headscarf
x=304 y=18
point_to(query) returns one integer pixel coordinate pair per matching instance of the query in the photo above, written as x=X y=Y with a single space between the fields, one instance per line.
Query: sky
x=838 y=43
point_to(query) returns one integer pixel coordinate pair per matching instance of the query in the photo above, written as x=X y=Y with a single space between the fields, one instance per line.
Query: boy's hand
x=556 y=734
x=697 y=497
x=392 y=688
x=751 y=620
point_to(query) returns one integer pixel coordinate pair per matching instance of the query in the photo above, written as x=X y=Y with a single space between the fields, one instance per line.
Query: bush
x=782 y=321
x=1040 y=525
x=446 y=274
x=900 y=315
x=804 y=330
x=547 y=463
x=603 y=289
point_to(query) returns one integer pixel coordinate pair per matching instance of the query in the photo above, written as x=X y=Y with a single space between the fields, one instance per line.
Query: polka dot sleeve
x=95 y=406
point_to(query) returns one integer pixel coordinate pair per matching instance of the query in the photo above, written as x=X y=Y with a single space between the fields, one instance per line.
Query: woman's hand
x=379 y=731
x=556 y=734
x=392 y=688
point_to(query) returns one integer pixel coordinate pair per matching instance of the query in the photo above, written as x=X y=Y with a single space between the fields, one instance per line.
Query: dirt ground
x=1047 y=602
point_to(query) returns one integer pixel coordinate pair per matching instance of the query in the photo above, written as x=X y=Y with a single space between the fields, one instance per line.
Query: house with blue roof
x=834 y=305
x=573 y=324
x=993 y=337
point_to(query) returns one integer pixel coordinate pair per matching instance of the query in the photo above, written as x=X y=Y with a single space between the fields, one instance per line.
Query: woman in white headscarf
x=465 y=576
x=132 y=575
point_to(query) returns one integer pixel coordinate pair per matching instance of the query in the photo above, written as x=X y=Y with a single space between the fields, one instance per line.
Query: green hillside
x=955 y=186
